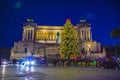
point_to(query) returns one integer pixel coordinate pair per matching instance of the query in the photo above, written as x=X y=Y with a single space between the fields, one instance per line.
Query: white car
x=4 y=62
x=29 y=63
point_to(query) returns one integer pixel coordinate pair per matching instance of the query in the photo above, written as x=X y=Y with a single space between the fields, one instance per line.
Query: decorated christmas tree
x=69 y=42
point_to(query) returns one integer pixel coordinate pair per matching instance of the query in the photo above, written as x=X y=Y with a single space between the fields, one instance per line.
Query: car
x=29 y=62
x=99 y=62
x=20 y=62
x=111 y=65
x=4 y=62
x=43 y=60
x=10 y=62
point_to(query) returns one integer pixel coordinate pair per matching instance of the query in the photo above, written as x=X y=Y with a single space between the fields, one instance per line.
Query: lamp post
x=45 y=48
x=45 y=51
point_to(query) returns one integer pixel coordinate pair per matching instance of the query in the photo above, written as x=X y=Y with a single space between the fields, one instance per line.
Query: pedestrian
x=62 y=61
x=75 y=59
x=14 y=61
x=54 y=62
x=0 y=62
x=68 y=62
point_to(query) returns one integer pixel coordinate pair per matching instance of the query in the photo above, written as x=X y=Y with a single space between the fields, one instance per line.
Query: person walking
x=0 y=62
x=14 y=61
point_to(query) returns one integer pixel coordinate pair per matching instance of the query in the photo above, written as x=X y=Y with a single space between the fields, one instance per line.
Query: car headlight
x=32 y=62
x=4 y=62
x=27 y=62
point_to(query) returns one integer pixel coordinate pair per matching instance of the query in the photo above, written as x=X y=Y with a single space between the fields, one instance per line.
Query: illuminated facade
x=44 y=40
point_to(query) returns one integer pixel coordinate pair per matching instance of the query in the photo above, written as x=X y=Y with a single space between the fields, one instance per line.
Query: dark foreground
x=57 y=73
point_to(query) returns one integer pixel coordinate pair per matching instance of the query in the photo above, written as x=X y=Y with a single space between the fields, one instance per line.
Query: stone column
x=26 y=34
x=47 y=36
x=29 y=35
x=87 y=35
x=32 y=35
x=91 y=36
x=81 y=35
x=36 y=35
x=54 y=36
x=23 y=36
x=39 y=37
x=50 y=36
x=42 y=36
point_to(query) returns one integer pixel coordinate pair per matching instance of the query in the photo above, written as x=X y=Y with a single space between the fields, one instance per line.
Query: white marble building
x=44 y=40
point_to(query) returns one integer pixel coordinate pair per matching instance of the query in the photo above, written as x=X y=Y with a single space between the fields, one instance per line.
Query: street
x=57 y=73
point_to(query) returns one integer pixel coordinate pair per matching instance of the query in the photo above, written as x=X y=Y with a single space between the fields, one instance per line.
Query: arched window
x=25 y=50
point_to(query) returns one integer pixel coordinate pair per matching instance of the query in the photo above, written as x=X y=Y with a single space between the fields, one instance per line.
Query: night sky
x=104 y=16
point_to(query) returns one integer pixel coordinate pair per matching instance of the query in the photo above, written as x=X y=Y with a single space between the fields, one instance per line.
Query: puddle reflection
x=29 y=78
x=29 y=68
x=17 y=73
x=26 y=68
x=3 y=71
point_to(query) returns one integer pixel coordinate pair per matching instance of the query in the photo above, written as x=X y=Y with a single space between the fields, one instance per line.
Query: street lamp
x=44 y=51
x=45 y=47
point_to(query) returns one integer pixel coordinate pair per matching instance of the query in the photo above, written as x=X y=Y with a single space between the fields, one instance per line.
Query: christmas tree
x=69 y=41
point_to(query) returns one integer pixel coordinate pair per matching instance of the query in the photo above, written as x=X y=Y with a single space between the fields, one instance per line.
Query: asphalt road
x=57 y=73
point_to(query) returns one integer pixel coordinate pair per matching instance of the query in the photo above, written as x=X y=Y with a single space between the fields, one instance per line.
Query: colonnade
x=48 y=35
x=28 y=34
x=85 y=35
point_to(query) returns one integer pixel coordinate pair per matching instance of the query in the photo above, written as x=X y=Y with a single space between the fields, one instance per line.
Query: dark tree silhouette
x=116 y=34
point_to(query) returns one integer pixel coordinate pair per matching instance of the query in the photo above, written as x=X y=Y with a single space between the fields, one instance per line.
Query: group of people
x=75 y=61
x=63 y=62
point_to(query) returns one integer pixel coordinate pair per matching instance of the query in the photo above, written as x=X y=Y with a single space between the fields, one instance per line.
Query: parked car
x=43 y=60
x=111 y=65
